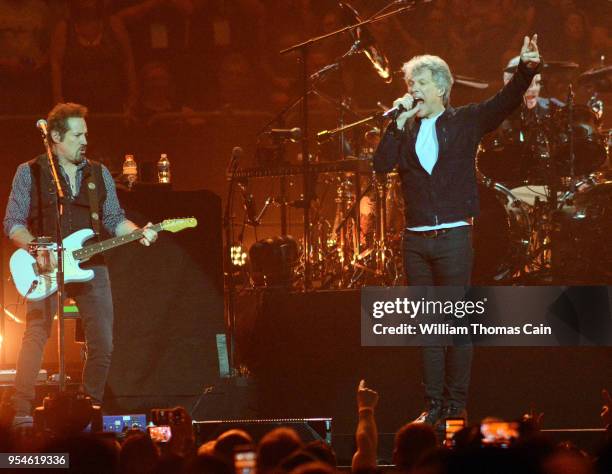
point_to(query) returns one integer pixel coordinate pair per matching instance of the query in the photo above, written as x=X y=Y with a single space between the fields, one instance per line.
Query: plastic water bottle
x=130 y=170
x=163 y=169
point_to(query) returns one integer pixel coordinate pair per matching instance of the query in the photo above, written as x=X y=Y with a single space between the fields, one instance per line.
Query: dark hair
x=98 y=9
x=138 y=454
x=275 y=446
x=412 y=442
x=57 y=120
x=227 y=442
x=322 y=451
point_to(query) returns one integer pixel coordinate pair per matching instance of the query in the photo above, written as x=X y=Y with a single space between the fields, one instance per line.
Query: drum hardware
x=371 y=139
x=380 y=63
x=596 y=105
x=502 y=236
x=378 y=264
x=598 y=79
x=344 y=227
x=273 y=262
x=583 y=225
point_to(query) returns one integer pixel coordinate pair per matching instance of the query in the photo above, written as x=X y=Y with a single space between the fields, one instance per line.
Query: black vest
x=77 y=211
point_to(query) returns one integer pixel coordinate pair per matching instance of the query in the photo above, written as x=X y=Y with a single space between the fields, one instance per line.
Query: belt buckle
x=438 y=232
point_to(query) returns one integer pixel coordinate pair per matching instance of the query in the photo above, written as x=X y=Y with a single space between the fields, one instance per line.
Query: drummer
x=534 y=112
x=532 y=100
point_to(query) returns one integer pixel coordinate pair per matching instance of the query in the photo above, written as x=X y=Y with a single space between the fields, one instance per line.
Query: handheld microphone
x=237 y=153
x=42 y=126
x=394 y=112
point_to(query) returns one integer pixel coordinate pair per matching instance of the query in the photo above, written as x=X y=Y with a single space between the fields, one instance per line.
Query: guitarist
x=90 y=199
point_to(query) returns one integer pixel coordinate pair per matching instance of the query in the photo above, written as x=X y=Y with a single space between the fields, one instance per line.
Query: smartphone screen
x=245 y=461
x=160 y=434
x=452 y=425
x=499 y=433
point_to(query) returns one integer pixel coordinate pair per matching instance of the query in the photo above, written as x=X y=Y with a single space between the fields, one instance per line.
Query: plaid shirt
x=18 y=206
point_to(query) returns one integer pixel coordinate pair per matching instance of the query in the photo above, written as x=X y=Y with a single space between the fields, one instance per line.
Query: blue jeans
x=445 y=260
x=95 y=302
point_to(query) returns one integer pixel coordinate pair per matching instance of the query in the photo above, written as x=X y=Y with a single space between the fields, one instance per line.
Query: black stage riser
x=305 y=353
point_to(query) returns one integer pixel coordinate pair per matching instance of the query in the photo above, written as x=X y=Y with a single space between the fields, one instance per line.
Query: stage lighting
x=238 y=255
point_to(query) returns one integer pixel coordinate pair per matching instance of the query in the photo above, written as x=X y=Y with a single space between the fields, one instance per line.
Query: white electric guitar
x=35 y=286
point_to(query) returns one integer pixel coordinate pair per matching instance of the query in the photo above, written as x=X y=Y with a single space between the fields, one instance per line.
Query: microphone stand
x=229 y=278
x=570 y=131
x=304 y=48
x=60 y=264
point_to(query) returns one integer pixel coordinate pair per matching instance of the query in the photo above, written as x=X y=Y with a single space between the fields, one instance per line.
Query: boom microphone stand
x=60 y=258
x=230 y=285
x=304 y=49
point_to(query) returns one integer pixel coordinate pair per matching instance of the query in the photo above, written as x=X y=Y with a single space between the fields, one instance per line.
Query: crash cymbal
x=470 y=82
x=560 y=65
x=367 y=43
x=458 y=80
x=599 y=78
x=551 y=66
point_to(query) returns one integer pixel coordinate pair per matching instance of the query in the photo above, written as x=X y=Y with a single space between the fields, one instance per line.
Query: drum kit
x=545 y=193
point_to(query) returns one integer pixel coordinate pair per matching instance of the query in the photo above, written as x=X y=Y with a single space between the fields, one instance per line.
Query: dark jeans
x=445 y=260
x=94 y=299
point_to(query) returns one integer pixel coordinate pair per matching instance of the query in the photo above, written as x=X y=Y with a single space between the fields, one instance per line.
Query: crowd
x=417 y=448
x=143 y=57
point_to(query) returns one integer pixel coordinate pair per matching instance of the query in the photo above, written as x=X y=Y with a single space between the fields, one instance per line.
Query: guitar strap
x=36 y=184
x=91 y=180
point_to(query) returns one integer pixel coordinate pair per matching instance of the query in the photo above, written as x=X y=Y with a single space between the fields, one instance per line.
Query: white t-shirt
x=427 y=149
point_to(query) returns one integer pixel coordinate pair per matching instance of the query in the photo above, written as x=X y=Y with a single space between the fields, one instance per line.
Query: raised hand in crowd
x=606 y=410
x=182 y=442
x=366 y=435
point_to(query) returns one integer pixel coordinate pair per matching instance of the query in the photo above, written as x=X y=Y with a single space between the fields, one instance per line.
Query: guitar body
x=34 y=286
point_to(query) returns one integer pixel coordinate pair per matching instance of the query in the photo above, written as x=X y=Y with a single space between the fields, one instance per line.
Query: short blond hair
x=440 y=72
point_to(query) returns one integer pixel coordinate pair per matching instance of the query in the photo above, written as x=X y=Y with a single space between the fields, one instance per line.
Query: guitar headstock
x=176 y=225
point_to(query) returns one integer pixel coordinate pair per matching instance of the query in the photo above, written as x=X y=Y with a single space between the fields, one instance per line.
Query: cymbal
x=551 y=66
x=600 y=78
x=459 y=80
x=367 y=42
x=470 y=82
x=560 y=65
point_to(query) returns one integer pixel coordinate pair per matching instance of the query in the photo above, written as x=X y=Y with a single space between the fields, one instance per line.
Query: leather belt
x=430 y=234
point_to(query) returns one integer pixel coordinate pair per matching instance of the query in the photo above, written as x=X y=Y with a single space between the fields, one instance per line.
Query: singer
x=31 y=213
x=434 y=145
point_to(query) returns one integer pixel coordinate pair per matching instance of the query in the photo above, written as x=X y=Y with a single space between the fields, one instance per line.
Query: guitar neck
x=99 y=247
